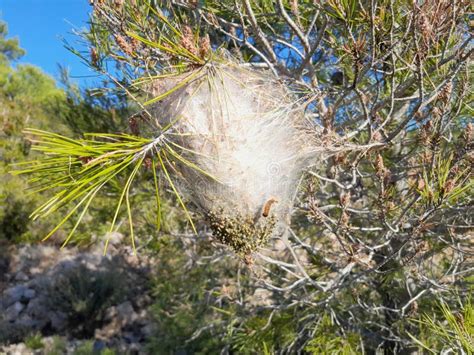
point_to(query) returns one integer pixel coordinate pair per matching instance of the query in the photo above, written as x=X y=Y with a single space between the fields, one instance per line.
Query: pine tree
x=380 y=225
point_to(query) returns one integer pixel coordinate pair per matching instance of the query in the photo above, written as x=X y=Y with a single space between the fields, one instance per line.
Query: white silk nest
x=245 y=144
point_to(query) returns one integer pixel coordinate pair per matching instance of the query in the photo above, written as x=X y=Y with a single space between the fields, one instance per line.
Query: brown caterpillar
x=267 y=206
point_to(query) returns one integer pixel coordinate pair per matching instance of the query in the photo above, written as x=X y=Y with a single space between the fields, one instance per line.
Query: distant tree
x=9 y=48
x=26 y=96
x=29 y=97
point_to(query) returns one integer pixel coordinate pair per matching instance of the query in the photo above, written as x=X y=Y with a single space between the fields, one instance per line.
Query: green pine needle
x=76 y=170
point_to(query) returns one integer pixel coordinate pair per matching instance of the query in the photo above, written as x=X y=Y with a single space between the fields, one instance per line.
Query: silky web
x=245 y=143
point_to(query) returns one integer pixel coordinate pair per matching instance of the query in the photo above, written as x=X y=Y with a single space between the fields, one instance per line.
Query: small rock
x=48 y=252
x=4 y=265
x=21 y=276
x=110 y=313
x=148 y=330
x=36 y=270
x=115 y=238
x=143 y=301
x=12 y=295
x=108 y=331
x=126 y=313
x=27 y=322
x=29 y=294
x=14 y=311
x=58 y=320
x=130 y=337
x=37 y=310
x=143 y=317
x=16 y=349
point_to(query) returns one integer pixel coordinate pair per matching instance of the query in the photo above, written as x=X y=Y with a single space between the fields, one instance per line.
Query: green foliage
x=411 y=203
x=176 y=46
x=9 y=48
x=445 y=183
x=34 y=341
x=86 y=348
x=12 y=333
x=329 y=340
x=447 y=329
x=92 y=110
x=30 y=86
x=26 y=95
x=58 y=346
x=84 y=295
x=78 y=169
x=13 y=217
x=263 y=335
x=183 y=304
x=30 y=97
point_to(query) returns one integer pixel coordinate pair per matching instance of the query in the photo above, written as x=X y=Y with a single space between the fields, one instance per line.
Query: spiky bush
x=83 y=296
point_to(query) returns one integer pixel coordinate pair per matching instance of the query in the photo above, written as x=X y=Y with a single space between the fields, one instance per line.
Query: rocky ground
x=73 y=302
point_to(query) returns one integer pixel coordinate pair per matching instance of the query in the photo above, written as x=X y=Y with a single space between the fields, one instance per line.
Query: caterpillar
x=267 y=206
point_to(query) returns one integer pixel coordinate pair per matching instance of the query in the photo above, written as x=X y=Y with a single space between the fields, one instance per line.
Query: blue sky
x=40 y=25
